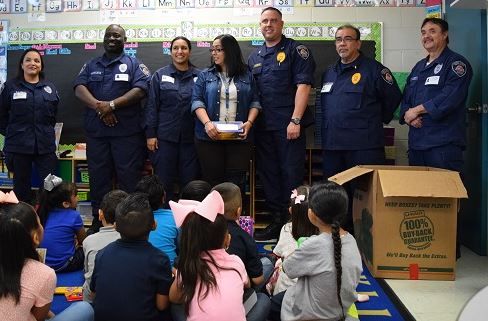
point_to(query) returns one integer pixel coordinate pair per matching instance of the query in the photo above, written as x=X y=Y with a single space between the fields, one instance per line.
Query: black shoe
x=270 y=233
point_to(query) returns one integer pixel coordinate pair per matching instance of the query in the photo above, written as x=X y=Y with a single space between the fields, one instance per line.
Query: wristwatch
x=112 y=105
x=296 y=121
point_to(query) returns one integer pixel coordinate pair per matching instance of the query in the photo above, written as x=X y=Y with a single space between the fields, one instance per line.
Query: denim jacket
x=206 y=94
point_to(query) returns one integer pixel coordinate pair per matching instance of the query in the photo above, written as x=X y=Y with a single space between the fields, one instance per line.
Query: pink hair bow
x=298 y=198
x=209 y=208
x=8 y=197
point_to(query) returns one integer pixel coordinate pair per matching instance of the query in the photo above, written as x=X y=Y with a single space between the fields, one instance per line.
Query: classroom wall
x=401 y=30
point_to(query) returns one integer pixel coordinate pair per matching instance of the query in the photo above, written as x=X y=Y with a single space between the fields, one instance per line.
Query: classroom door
x=468 y=36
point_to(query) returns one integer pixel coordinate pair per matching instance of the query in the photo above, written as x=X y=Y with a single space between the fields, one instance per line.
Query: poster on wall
x=3 y=52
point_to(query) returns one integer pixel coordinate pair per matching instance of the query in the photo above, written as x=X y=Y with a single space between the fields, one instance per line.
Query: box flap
x=350 y=174
x=421 y=183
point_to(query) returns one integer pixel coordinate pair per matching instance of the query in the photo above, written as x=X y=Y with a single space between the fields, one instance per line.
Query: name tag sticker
x=327 y=87
x=165 y=78
x=20 y=95
x=432 y=80
x=121 y=77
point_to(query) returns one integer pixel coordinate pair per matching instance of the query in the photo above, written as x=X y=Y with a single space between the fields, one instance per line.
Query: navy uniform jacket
x=28 y=115
x=168 y=108
x=106 y=80
x=442 y=88
x=356 y=100
x=277 y=71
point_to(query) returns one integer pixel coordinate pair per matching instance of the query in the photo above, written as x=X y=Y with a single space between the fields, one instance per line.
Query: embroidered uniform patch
x=437 y=69
x=144 y=69
x=387 y=76
x=48 y=89
x=303 y=52
x=459 y=68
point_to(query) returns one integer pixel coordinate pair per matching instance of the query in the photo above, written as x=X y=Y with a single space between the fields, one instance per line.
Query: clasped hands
x=105 y=113
x=413 y=116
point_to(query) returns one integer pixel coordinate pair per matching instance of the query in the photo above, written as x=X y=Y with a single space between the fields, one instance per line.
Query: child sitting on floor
x=328 y=266
x=62 y=224
x=131 y=278
x=106 y=235
x=195 y=190
x=27 y=285
x=165 y=236
x=209 y=282
x=291 y=233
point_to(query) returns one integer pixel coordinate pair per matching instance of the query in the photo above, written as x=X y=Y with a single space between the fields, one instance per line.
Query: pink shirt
x=37 y=284
x=225 y=302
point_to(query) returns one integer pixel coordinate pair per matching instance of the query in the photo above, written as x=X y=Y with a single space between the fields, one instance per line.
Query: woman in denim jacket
x=225 y=92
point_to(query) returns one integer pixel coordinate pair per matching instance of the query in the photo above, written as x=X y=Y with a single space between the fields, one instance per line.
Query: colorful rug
x=383 y=304
x=75 y=278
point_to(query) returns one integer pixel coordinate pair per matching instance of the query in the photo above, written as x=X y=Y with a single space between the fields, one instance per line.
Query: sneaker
x=270 y=233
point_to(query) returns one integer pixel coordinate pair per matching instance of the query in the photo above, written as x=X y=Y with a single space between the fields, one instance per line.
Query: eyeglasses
x=217 y=50
x=346 y=39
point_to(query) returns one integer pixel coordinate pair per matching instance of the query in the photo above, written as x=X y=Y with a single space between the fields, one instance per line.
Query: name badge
x=121 y=77
x=165 y=78
x=20 y=95
x=327 y=87
x=432 y=80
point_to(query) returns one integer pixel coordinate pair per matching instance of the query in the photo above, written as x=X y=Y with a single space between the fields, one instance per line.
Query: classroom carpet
x=383 y=304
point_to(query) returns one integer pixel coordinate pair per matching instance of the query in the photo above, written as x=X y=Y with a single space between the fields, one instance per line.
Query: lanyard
x=226 y=81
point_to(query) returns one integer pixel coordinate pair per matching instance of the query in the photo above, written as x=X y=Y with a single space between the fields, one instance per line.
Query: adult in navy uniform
x=28 y=110
x=111 y=87
x=358 y=96
x=283 y=70
x=434 y=102
x=169 y=122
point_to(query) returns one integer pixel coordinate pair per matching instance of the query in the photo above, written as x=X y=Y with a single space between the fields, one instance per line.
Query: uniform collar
x=264 y=51
x=353 y=65
x=41 y=83
x=185 y=74
x=439 y=60
x=105 y=61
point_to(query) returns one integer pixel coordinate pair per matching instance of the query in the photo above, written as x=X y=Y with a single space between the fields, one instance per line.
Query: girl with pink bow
x=209 y=282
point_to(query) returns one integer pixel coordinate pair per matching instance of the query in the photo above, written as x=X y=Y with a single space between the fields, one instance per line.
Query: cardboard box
x=405 y=219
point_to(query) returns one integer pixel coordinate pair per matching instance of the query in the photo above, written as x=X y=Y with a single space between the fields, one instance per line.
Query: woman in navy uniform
x=224 y=92
x=169 y=122
x=28 y=110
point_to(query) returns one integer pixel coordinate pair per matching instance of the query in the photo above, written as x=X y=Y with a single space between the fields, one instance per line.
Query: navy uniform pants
x=447 y=157
x=21 y=166
x=175 y=163
x=120 y=159
x=280 y=164
x=336 y=161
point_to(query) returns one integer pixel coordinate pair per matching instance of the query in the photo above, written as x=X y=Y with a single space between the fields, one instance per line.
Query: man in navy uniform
x=434 y=102
x=283 y=70
x=112 y=87
x=358 y=96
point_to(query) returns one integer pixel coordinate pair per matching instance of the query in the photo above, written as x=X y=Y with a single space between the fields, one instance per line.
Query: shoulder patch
x=144 y=69
x=459 y=68
x=303 y=52
x=82 y=69
x=387 y=76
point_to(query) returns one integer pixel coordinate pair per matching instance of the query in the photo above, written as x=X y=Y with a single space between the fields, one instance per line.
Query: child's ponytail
x=53 y=194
